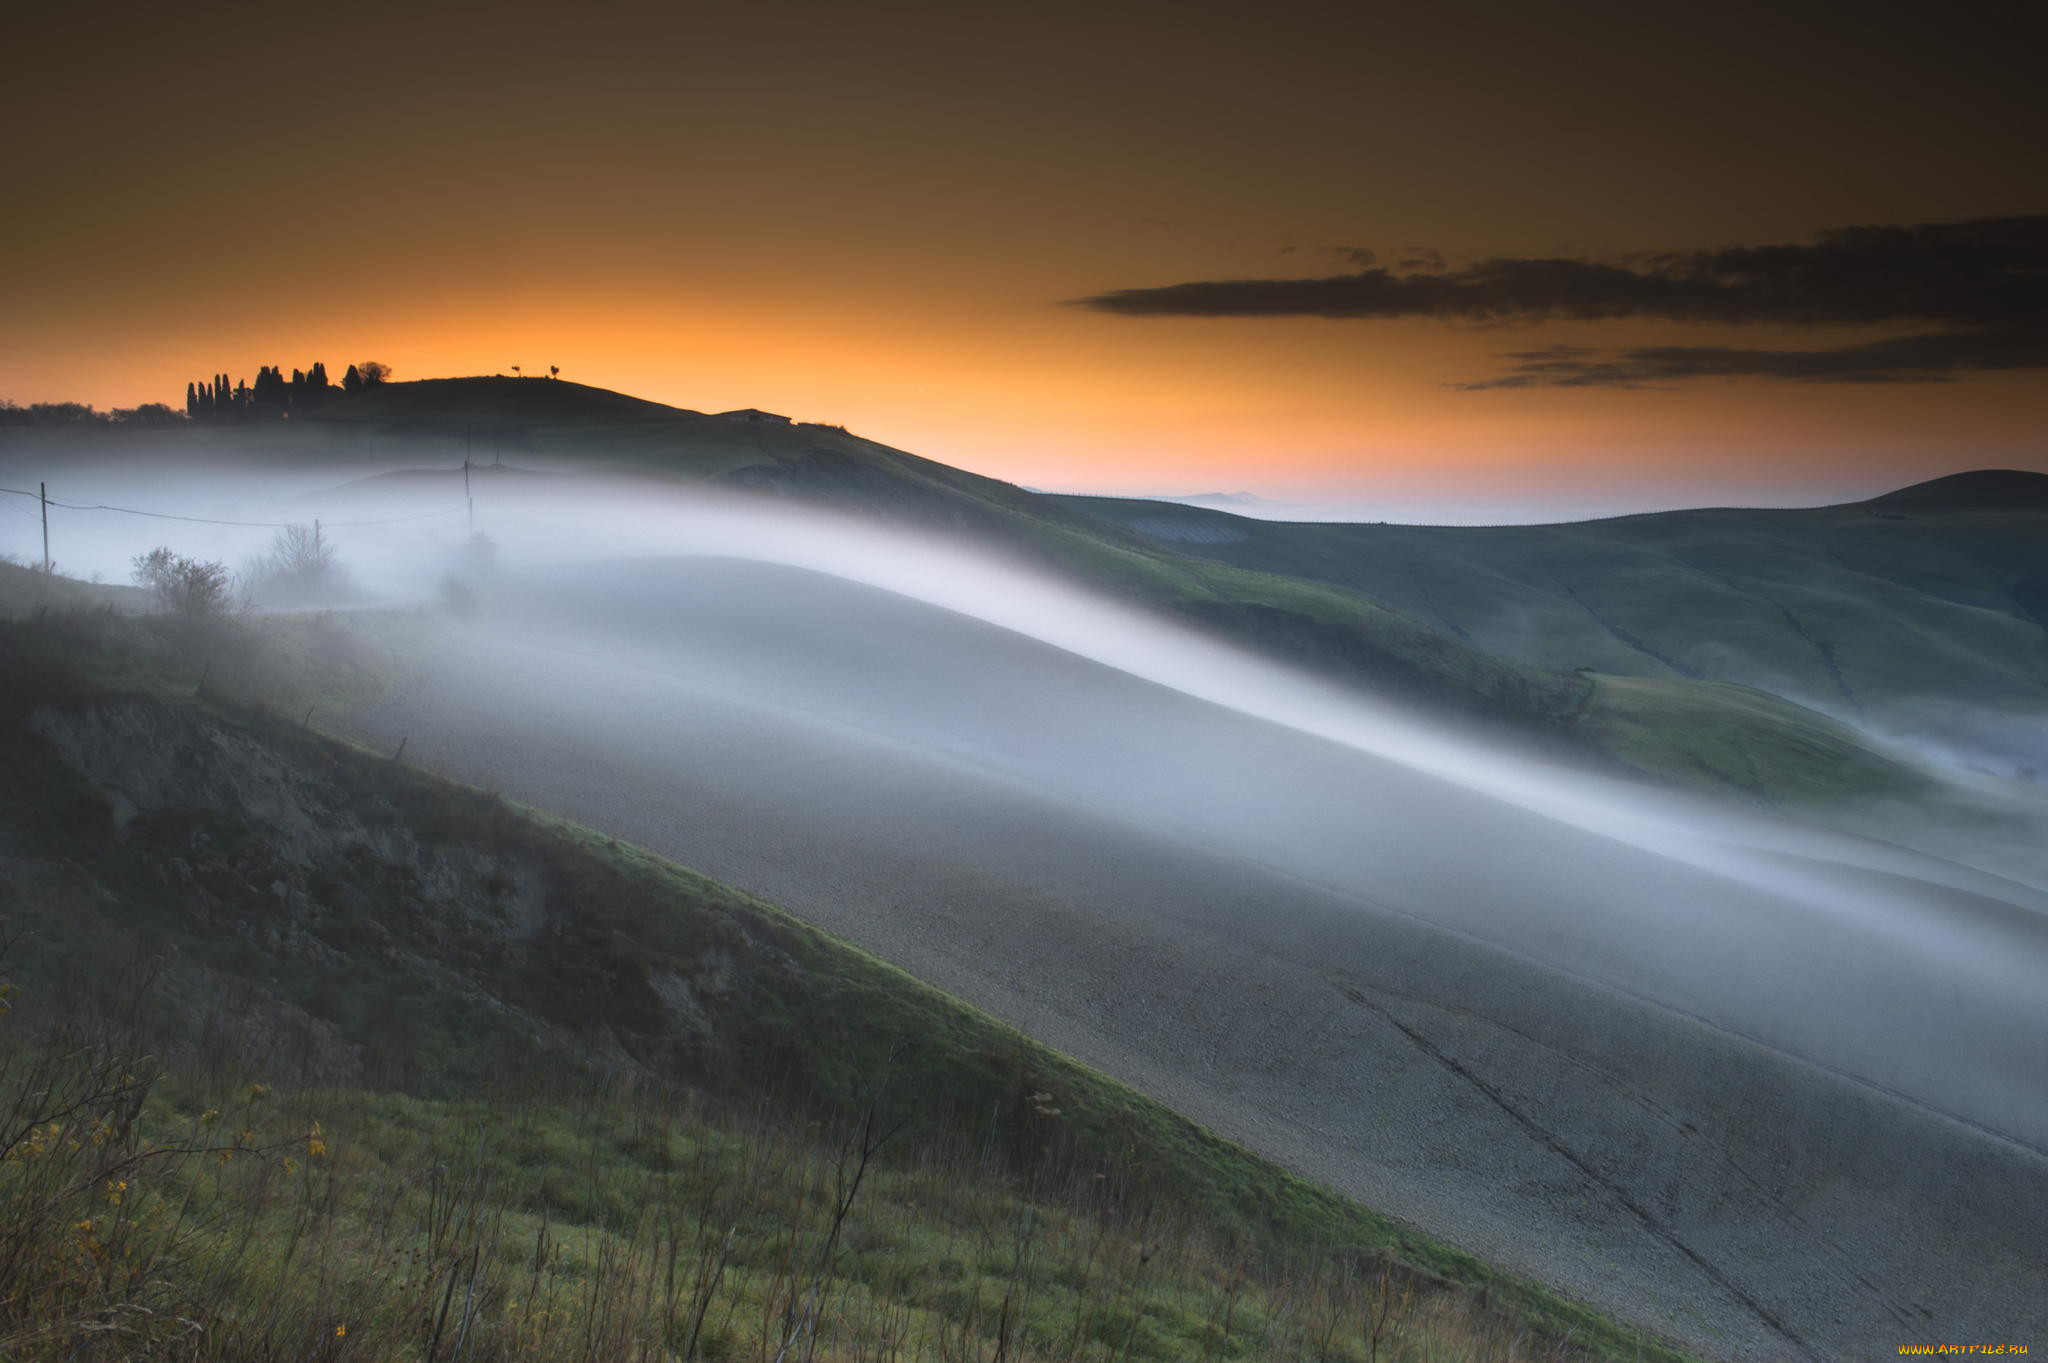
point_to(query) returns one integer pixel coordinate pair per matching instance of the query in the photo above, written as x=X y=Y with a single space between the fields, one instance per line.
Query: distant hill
x=1923 y=612
x=1227 y=501
x=1994 y=489
x=493 y=400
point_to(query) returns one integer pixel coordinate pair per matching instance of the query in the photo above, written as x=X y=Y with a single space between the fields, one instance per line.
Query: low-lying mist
x=848 y=664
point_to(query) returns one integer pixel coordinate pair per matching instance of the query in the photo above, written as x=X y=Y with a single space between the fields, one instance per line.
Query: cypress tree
x=269 y=398
x=191 y=401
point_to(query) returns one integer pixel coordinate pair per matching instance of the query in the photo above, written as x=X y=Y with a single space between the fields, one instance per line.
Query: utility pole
x=316 y=539
x=43 y=495
x=467 y=499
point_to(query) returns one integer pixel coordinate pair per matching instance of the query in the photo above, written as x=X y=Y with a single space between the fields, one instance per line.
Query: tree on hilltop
x=309 y=388
x=51 y=414
x=148 y=414
x=270 y=397
x=273 y=396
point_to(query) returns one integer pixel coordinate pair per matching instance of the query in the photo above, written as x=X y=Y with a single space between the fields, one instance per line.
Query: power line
x=131 y=511
x=210 y=520
x=165 y=515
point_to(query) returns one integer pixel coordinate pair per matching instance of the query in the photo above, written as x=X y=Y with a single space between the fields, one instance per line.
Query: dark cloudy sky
x=1511 y=250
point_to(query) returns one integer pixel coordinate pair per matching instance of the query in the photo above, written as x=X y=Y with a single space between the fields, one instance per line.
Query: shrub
x=301 y=566
x=190 y=587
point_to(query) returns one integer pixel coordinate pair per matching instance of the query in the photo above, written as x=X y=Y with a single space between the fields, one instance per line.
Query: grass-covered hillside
x=308 y=1053
x=1923 y=612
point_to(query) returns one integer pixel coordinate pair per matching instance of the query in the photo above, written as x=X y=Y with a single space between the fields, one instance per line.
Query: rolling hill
x=513 y=1052
x=1922 y=613
x=1445 y=1004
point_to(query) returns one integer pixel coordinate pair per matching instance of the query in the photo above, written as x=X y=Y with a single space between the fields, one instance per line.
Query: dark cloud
x=1978 y=289
x=1925 y=357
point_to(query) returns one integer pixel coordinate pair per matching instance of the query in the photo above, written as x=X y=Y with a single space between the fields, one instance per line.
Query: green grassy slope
x=27 y=591
x=369 y=930
x=1932 y=597
x=237 y=1224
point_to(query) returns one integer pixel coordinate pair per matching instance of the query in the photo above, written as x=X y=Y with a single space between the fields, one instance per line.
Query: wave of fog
x=1919 y=976
x=633 y=521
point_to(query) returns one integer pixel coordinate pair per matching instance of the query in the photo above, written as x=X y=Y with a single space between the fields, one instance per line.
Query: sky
x=1499 y=254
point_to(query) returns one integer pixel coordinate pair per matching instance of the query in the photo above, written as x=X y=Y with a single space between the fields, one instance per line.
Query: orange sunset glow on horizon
x=1505 y=255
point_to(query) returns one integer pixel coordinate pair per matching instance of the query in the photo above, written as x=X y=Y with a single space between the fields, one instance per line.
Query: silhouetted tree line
x=79 y=414
x=273 y=397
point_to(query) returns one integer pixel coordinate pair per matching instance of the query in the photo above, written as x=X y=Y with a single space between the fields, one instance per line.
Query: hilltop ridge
x=441 y=406
x=2003 y=488
x=495 y=399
